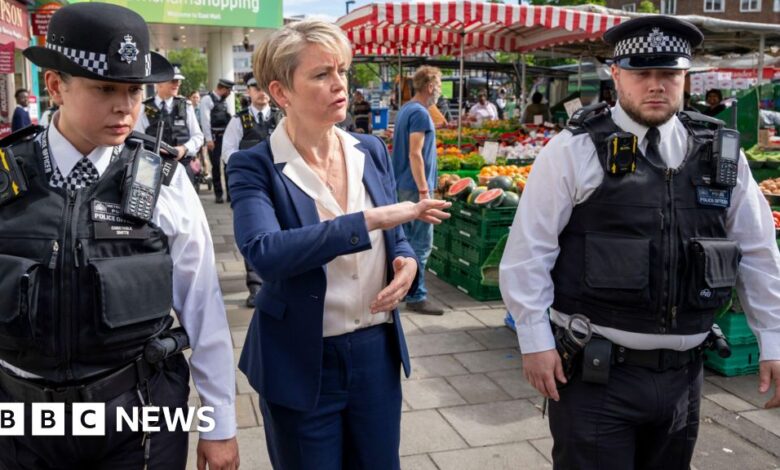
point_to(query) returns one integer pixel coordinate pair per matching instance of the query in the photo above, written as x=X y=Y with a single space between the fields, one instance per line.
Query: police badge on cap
x=653 y=42
x=102 y=42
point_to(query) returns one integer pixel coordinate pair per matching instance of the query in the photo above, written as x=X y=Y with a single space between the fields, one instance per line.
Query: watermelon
x=510 y=199
x=461 y=188
x=490 y=198
x=503 y=182
x=477 y=191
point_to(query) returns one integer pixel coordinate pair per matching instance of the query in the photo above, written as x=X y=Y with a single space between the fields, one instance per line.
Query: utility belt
x=159 y=353
x=594 y=354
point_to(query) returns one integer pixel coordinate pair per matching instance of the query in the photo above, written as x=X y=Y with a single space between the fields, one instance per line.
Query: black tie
x=652 y=153
x=162 y=107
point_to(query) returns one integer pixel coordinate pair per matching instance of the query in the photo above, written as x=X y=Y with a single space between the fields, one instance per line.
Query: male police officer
x=97 y=245
x=180 y=125
x=214 y=118
x=636 y=219
x=249 y=127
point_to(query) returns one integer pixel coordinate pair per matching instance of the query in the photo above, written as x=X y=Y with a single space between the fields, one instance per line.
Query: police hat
x=100 y=41
x=249 y=80
x=653 y=42
x=177 y=75
x=224 y=82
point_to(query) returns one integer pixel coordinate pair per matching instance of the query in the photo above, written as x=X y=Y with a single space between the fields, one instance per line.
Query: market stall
x=458 y=27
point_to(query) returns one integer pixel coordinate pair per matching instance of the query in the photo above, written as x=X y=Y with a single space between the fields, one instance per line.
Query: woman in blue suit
x=315 y=214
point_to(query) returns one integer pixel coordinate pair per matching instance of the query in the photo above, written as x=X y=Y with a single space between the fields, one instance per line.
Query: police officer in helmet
x=90 y=272
x=249 y=127
x=214 y=118
x=635 y=225
x=180 y=125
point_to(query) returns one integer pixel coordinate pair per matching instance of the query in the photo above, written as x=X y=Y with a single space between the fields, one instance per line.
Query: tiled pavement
x=467 y=405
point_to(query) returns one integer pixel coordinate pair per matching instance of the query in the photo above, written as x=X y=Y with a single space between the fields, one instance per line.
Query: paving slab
x=409 y=327
x=436 y=366
x=513 y=383
x=417 y=462
x=477 y=388
x=744 y=387
x=767 y=419
x=724 y=398
x=719 y=449
x=496 y=338
x=426 y=431
x=488 y=361
x=492 y=317
x=544 y=446
x=430 y=393
x=497 y=423
x=239 y=337
x=245 y=412
x=742 y=427
x=450 y=321
x=515 y=455
x=240 y=317
x=441 y=343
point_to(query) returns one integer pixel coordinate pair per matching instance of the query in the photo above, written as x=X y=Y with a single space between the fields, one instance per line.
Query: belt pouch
x=596 y=358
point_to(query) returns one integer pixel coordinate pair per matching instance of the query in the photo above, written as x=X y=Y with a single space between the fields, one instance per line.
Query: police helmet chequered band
x=656 y=42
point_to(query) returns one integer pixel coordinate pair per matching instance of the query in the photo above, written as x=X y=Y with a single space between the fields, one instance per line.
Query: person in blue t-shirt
x=414 y=166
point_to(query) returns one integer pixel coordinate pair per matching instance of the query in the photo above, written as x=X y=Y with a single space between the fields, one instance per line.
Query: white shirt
x=234 y=131
x=353 y=280
x=196 y=136
x=197 y=299
x=565 y=174
x=483 y=112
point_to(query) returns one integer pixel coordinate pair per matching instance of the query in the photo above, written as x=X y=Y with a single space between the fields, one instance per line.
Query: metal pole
x=460 y=89
x=523 y=90
x=579 y=76
x=400 y=77
x=761 y=46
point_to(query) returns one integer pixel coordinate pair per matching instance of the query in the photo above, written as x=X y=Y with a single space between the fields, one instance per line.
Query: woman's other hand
x=388 y=298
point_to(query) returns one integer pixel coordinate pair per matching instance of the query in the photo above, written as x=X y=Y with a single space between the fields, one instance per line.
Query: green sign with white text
x=225 y=13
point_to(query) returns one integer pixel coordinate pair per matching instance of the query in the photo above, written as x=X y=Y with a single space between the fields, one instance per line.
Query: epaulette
x=699 y=118
x=575 y=125
x=22 y=135
x=151 y=110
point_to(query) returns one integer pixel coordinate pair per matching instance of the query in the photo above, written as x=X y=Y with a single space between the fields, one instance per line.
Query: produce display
x=517 y=175
x=762 y=155
x=776 y=217
x=770 y=187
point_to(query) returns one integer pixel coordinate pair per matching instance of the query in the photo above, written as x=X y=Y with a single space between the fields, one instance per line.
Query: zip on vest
x=66 y=286
x=671 y=307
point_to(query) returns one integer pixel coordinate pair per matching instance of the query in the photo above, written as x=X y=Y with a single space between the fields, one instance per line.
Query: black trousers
x=215 y=156
x=641 y=419
x=115 y=450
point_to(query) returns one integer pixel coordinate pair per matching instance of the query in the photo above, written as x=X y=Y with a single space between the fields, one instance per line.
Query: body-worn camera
x=725 y=155
x=13 y=183
x=621 y=153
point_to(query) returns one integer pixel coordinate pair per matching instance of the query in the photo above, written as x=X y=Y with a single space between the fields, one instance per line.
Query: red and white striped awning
x=438 y=28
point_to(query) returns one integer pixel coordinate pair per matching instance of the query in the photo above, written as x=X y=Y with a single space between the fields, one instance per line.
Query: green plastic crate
x=471 y=269
x=735 y=327
x=477 y=215
x=743 y=360
x=440 y=266
x=474 y=252
x=487 y=231
x=472 y=286
x=441 y=238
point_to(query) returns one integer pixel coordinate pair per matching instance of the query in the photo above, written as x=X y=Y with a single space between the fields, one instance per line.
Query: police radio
x=13 y=183
x=725 y=154
x=142 y=182
x=621 y=153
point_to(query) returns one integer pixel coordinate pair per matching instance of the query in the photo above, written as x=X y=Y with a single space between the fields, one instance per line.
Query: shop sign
x=223 y=13
x=14 y=23
x=7 y=58
x=5 y=117
x=41 y=18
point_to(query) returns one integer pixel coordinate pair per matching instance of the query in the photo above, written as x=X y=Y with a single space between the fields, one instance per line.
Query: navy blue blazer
x=279 y=232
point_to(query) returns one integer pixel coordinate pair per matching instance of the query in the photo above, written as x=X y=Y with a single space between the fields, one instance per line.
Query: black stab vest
x=81 y=289
x=642 y=253
x=175 y=130
x=255 y=132
x=220 y=117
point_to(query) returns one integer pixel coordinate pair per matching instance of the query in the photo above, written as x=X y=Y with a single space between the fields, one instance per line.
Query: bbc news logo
x=89 y=419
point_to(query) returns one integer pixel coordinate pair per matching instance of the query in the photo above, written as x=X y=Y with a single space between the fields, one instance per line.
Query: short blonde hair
x=277 y=57
x=425 y=75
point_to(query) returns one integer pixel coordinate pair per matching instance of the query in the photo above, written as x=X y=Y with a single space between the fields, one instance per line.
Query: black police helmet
x=100 y=41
